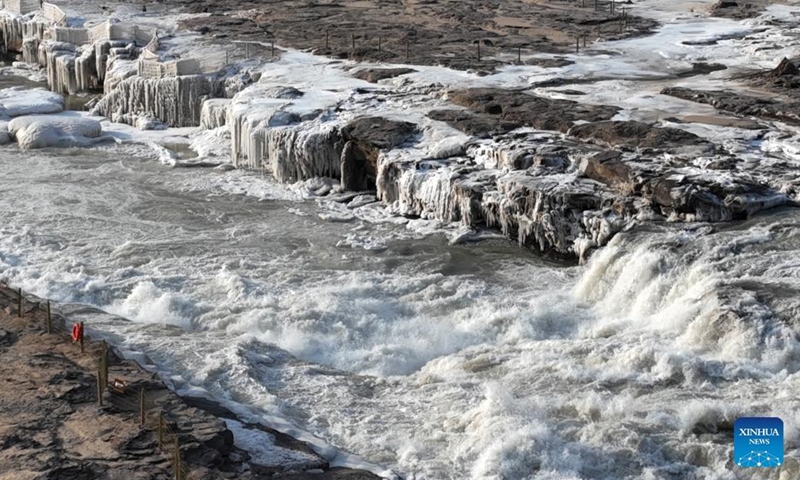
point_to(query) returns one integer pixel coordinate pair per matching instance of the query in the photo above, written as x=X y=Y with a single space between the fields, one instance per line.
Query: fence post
x=177 y=459
x=104 y=361
x=141 y=407
x=161 y=429
x=99 y=387
x=20 y=303
x=82 y=335
x=49 y=319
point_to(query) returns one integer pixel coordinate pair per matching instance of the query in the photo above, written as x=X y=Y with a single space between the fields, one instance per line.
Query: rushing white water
x=435 y=360
x=425 y=359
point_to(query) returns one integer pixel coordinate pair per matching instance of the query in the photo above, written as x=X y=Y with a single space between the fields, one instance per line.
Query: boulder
x=517 y=109
x=42 y=131
x=365 y=137
x=375 y=75
x=633 y=134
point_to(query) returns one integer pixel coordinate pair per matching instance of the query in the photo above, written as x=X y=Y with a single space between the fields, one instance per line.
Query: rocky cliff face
x=565 y=191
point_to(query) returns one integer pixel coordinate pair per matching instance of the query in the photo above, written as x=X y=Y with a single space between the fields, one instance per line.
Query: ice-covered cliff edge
x=491 y=163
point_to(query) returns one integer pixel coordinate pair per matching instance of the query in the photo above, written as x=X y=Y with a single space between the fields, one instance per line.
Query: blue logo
x=758 y=442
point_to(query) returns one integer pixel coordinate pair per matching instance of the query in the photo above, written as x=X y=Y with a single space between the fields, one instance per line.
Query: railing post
x=104 y=361
x=141 y=407
x=177 y=459
x=49 y=319
x=161 y=429
x=99 y=387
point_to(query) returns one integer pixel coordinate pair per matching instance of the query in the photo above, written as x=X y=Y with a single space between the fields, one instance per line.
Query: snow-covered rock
x=17 y=101
x=41 y=131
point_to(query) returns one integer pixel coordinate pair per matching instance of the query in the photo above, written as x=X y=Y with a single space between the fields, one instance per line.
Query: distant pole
x=380 y=39
x=82 y=335
x=141 y=407
x=177 y=459
x=49 y=319
x=104 y=361
x=272 y=48
x=161 y=430
x=99 y=387
x=20 y=303
x=227 y=62
x=577 y=44
x=519 y=54
x=479 y=50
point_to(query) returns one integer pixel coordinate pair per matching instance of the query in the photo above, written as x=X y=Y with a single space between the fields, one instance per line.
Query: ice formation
x=176 y=101
x=41 y=131
x=17 y=101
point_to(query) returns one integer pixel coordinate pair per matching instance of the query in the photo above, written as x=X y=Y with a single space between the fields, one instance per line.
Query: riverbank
x=52 y=423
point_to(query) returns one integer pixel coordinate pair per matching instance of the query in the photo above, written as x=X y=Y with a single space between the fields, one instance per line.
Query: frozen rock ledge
x=42 y=131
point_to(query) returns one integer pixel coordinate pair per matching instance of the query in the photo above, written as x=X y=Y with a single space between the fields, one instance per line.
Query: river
x=435 y=360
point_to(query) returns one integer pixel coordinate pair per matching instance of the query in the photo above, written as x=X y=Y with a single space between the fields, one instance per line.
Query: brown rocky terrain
x=454 y=33
x=51 y=426
x=779 y=98
x=739 y=9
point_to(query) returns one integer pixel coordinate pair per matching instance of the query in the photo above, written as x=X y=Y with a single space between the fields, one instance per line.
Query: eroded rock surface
x=52 y=427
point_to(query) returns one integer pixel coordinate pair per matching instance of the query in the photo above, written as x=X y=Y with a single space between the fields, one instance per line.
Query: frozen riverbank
x=312 y=298
x=559 y=168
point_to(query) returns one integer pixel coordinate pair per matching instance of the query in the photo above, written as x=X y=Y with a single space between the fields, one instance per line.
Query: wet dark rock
x=785 y=68
x=556 y=62
x=374 y=75
x=702 y=68
x=365 y=138
x=632 y=135
x=738 y=9
x=332 y=474
x=734 y=102
x=609 y=169
x=513 y=109
x=478 y=125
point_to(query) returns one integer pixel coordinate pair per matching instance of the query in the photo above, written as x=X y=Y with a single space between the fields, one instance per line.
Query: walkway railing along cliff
x=149 y=412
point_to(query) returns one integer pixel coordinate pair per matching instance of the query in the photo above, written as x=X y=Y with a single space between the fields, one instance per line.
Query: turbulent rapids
x=557 y=266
